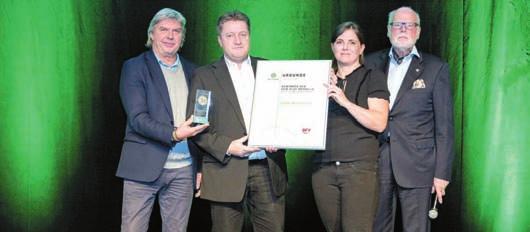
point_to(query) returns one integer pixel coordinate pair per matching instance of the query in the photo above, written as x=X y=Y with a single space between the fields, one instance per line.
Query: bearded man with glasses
x=416 y=148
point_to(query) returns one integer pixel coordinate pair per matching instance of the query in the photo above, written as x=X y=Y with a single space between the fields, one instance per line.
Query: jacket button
x=390 y=118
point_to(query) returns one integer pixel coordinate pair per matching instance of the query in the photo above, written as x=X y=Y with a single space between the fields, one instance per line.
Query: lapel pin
x=417 y=70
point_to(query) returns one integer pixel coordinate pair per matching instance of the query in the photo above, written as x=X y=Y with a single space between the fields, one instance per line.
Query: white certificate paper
x=290 y=105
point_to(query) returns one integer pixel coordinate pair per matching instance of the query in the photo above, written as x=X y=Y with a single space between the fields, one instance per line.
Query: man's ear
x=219 y=41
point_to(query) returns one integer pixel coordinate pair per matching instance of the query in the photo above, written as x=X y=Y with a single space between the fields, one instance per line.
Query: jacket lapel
x=158 y=78
x=414 y=71
x=254 y=64
x=222 y=75
x=187 y=67
x=385 y=62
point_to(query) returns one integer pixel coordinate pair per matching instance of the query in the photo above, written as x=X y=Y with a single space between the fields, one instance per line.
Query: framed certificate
x=290 y=105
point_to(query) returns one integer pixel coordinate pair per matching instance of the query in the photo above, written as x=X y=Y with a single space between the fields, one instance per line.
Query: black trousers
x=346 y=195
x=266 y=211
x=414 y=202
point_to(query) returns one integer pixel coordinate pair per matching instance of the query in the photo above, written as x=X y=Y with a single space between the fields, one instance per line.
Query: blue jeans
x=174 y=188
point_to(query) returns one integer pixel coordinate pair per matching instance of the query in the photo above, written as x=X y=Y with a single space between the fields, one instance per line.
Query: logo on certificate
x=306 y=130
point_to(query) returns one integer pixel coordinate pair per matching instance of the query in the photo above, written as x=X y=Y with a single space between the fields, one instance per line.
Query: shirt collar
x=172 y=67
x=414 y=52
x=232 y=64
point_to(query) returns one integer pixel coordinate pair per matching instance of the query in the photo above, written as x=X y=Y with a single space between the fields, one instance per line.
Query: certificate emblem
x=202 y=106
x=274 y=76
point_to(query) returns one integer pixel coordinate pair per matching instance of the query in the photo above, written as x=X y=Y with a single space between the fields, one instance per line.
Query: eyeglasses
x=399 y=25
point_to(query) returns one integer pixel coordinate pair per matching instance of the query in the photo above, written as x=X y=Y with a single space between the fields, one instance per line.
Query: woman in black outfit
x=344 y=177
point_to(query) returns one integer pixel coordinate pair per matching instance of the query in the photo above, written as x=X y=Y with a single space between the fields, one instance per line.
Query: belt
x=258 y=162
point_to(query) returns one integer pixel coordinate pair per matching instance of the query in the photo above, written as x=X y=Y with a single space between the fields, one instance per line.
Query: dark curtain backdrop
x=62 y=122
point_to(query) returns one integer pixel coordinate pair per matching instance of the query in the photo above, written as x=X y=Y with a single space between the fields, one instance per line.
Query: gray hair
x=232 y=16
x=166 y=13
x=392 y=13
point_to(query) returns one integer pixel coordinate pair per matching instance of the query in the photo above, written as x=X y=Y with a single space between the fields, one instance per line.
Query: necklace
x=342 y=83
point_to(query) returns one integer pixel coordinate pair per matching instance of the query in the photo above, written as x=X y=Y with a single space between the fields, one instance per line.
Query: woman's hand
x=338 y=95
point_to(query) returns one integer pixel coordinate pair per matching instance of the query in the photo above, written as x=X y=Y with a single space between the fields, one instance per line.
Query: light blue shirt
x=171 y=67
x=397 y=72
x=257 y=155
x=179 y=156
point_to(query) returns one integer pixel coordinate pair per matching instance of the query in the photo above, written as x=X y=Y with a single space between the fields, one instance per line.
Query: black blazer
x=224 y=177
x=149 y=128
x=420 y=122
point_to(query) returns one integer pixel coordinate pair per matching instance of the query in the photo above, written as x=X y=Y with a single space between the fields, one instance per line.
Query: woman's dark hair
x=341 y=28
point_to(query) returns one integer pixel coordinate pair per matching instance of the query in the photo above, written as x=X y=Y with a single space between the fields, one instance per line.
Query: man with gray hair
x=416 y=148
x=155 y=158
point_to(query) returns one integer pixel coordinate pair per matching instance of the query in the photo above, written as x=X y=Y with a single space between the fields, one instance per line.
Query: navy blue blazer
x=420 y=122
x=149 y=128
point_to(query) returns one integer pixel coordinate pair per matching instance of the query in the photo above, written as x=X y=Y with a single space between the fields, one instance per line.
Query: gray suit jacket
x=420 y=122
x=148 y=133
x=224 y=177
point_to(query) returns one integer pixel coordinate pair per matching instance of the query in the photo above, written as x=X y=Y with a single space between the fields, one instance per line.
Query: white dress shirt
x=397 y=72
x=243 y=80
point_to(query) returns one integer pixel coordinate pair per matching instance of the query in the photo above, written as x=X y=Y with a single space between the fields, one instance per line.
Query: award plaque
x=202 y=106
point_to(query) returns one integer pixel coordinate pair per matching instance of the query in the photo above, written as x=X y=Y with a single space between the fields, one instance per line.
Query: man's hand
x=185 y=130
x=439 y=186
x=237 y=148
x=198 y=184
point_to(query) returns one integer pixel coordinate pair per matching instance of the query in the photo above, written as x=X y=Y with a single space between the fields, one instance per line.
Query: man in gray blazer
x=155 y=158
x=416 y=150
x=236 y=176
